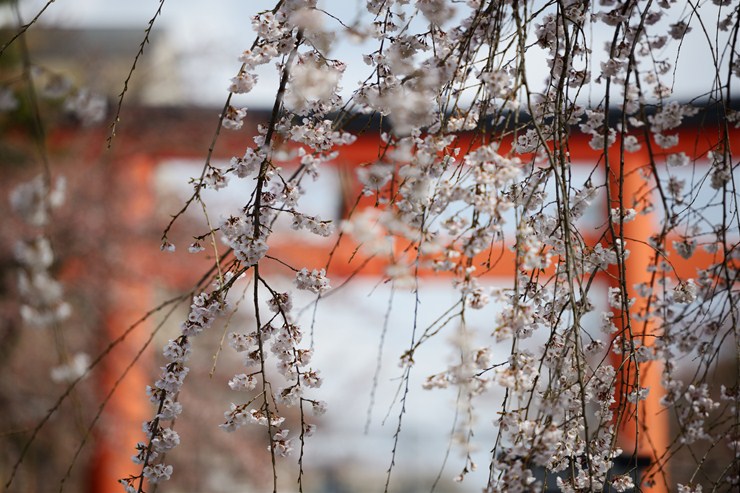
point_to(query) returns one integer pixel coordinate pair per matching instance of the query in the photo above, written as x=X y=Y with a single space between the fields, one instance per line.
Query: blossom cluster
x=204 y=310
x=43 y=304
x=292 y=365
x=81 y=103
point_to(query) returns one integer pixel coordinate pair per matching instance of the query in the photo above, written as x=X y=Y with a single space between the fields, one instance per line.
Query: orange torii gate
x=141 y=147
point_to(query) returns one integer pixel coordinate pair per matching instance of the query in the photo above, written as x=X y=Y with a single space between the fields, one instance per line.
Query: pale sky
x=209 y=36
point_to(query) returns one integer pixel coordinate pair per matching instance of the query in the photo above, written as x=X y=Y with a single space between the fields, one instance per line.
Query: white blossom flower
x=280 y=302
x=639 y=394
x=72 y=370
x=242 y=342
x=177 y=351
x=615 y=298
x=623 y=215
x=234 y=118
x=666 y=141
x=631 y=144
x=166 y=439
x=685 y=292
x=685 y=248
x=314 y=281
x=195 y=247
x=242 y=382
x=679 y=30
x=248 y=164
x=170 y=409
x=34 y=200
x=623 y=482
x=157 y=473
x=319 y=407
x=678 y=160
x=35 y=254
x=89 y=108
x=243 y=83
x=172 y=377
x=281 y=443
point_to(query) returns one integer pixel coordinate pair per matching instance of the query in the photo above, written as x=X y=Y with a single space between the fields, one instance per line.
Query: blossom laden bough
x=480 y=172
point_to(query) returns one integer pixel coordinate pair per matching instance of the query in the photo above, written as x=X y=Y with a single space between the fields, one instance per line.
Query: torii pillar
x=643 y=429
x=129 y=295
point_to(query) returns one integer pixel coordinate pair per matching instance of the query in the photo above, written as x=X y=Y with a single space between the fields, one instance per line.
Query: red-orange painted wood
x=643 y=430
x=129 y=296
